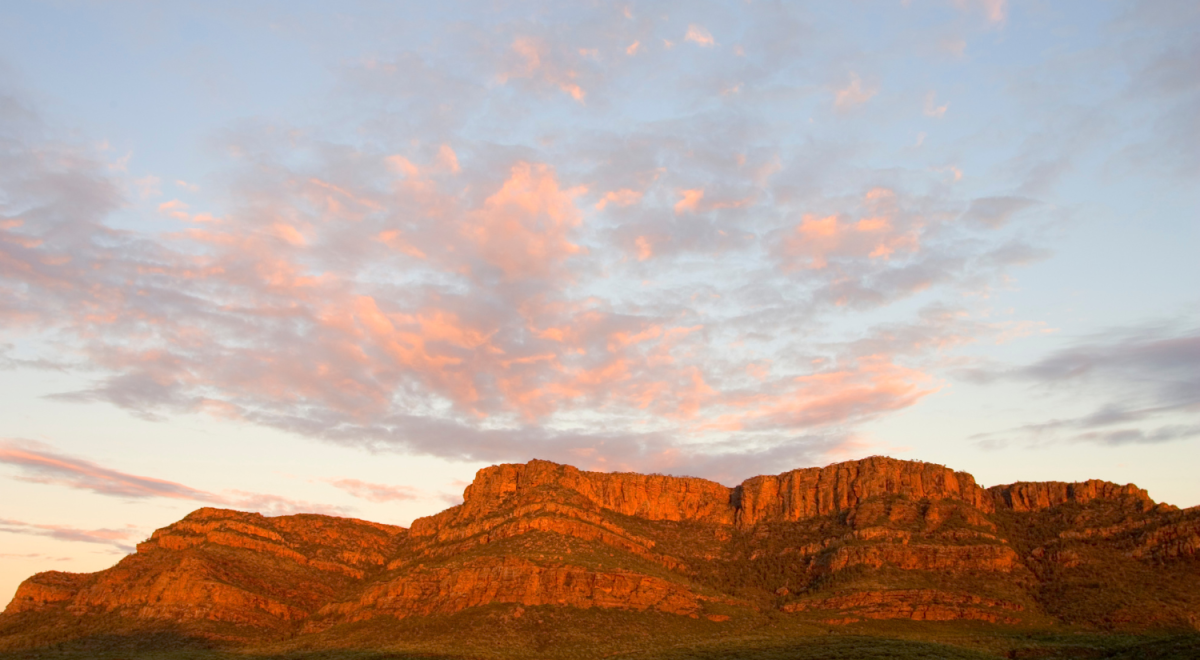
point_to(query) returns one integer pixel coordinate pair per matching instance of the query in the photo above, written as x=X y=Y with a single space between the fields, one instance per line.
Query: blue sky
x=296 y=257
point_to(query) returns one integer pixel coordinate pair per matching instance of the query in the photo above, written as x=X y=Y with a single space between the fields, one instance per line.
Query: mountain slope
x=852 y=545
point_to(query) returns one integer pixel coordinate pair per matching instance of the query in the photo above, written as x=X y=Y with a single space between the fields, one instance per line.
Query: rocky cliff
x=850 y=543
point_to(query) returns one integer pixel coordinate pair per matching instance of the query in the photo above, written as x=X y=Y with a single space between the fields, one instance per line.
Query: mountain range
x=546 y=560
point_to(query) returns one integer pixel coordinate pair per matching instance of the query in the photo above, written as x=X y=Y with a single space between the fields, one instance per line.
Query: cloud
x=1169 y=364
x=41 y=464
x=995 y=212
x=378 y=493
x=523 y=227
x=871 y=386
x=115 y=537
x=995 y=11
x=277 y=315
x=276 y=505
x=1148 y=380
x=853 y=94
x=622 y=198
x=690 y=200
x=880 y=231
x=931 y=107
x=699 y=36
x=462 y=259
x=532 y=60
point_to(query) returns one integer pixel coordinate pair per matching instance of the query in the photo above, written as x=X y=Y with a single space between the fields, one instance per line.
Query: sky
x=336 y=257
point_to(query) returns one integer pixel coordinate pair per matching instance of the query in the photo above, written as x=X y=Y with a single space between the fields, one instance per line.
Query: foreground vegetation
x=498 y=633
x=830 y=647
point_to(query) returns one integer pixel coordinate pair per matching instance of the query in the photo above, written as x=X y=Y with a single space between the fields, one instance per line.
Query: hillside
x=546 y=559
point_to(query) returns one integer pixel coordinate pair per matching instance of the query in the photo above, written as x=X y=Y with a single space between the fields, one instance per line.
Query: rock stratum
x=844 y=545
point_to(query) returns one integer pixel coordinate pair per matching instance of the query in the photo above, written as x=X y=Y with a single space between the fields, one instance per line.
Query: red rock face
x=813 y=492
x=653 y=497
x=221 y=565
x=1024 y=496
x=913 y=604
x=45 y=589
x=508 y=580
x=542 y=534
x=924 y=557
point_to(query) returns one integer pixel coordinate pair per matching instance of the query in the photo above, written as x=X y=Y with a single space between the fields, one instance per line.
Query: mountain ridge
x=873 y=540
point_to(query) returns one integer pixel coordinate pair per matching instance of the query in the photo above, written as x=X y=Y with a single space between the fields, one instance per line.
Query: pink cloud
x=645 y=247
x=700 y=36
x=623 y=197
x=394 y=239
x=996 y=11
x=174 y=208
x=534 y=61
x=276 y=505
x=868 y=387
x=932 y=109
x=853 y=94
x=880 y=231
x=114 y=537
x=690 y=201
x=347 y=297
x=523 y=228
x=378 y=493
x=447 y=160
x=42 y=465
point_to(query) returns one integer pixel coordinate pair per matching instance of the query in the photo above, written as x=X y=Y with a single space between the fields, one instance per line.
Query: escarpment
x=653 y=497
x=849 y=543
x=218 y=565
x=813 y=492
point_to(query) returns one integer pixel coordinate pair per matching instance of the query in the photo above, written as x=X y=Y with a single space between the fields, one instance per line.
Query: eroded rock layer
x=873 y=539
x=228 y=566
x=914 y=604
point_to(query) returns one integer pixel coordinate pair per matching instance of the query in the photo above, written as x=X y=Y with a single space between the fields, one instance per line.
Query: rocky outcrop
x=222 y=565
x=488 y=580
x=192 y=589
x=813 y=492
x=653 y=497
x=1176 y=539
x=1037 y=496
x=344 y=545
x=913 y=604
x=45 y=589
x=942 y=558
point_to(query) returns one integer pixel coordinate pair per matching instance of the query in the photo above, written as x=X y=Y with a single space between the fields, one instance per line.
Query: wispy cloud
x=853 y=94
x=994 y=212
x=932 y=109
x=995 y=11
x=532 y=60
x=378 y=493
x=1148 y=380
x=117 y=538
x=39 y=463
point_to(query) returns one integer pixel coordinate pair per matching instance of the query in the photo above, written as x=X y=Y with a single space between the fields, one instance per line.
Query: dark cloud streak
x=1149 y=376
